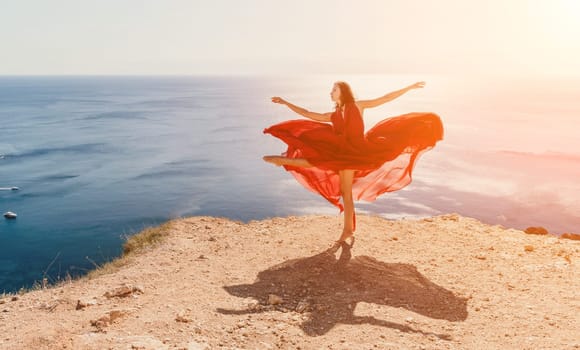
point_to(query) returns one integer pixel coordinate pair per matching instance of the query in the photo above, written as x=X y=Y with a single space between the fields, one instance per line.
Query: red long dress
x=383 y=158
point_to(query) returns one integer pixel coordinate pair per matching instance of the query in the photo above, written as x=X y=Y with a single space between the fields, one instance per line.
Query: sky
x=127 y=37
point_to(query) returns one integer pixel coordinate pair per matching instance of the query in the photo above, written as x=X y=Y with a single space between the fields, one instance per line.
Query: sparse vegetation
x=146 y=238
x=149 y=237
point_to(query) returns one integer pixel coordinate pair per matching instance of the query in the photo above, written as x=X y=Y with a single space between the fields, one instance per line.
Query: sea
x=99 y=158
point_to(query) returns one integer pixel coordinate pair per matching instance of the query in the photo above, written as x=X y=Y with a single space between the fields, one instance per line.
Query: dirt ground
x=446 y=282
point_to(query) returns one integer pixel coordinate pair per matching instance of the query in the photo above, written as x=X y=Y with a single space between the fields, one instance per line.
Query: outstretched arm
x=388 y=97
x=321 y=117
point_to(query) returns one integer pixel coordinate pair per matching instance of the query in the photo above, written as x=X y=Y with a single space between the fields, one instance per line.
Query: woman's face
x=335 y=93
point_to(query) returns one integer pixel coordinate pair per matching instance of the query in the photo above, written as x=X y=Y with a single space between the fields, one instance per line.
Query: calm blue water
x=99 y=158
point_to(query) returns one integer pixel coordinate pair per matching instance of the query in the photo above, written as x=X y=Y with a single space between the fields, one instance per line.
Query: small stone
x=107 y=319
x=572 y=236
x=115 y=314
x=101 y=322
x=254 y=306
x=81 y=304
x=273 y=299
x=182 y=318
x=529 y=248
x=536 y=231
x=302 y=306
x=14 y=298
x=451 y=217
x=120 y=292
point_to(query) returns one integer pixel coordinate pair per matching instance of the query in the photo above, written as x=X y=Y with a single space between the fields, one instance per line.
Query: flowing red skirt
x=383 y=158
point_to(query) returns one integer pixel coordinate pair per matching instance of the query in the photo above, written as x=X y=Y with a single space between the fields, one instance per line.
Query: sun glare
x=557 y=22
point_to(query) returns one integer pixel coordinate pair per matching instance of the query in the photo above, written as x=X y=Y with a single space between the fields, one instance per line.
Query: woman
x=340 y=160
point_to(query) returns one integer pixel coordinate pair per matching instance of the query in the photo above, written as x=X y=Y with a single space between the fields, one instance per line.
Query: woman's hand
x=279 y=100
x=418 y=85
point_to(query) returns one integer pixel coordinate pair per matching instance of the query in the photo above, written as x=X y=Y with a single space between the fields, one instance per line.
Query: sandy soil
x=446 y=282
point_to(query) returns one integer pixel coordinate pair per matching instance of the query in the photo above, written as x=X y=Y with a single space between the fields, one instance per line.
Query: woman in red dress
x=338 y=159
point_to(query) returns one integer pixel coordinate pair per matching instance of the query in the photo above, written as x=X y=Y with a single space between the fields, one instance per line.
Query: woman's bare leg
x=279 y=160
x=346 y=178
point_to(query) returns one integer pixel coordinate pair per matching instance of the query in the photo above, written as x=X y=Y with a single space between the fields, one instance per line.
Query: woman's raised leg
x=280 y=160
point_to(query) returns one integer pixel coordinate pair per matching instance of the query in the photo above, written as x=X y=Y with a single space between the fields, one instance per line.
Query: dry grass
x=147 y=238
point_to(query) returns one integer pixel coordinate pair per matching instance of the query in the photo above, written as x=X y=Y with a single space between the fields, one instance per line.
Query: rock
x=101 y=322
x=273 y=299
x=108 y=318
x=82 y=303
x=529 y=248
x=572 y=236
x=536 y=230
x=254 y=306
x=182 y=318
x=123 y=291
x=451 y=217
x=302 y=306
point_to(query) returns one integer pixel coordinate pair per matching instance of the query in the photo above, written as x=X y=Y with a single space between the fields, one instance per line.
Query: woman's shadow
x=329 y=289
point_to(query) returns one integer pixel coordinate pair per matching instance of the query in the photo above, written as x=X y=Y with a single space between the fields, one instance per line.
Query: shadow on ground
x=329 y=289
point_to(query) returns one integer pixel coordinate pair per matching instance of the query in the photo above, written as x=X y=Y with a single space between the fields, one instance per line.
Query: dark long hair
x=346 y=95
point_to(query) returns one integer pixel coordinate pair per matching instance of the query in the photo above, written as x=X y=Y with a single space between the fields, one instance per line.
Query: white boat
x=10 y=215
x=9 y=188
